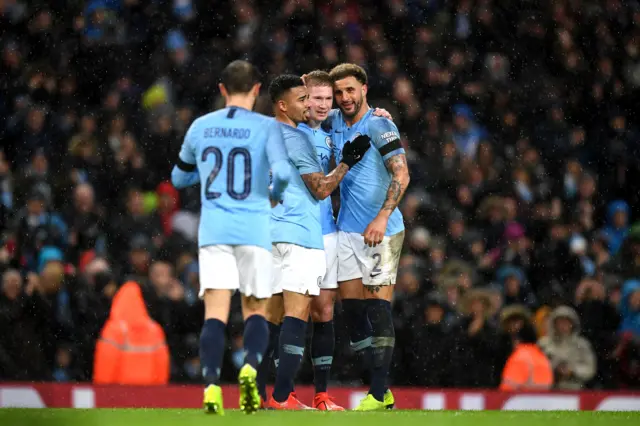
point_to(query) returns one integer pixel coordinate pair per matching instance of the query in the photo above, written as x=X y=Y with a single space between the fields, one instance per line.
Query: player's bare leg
x=274 y=313
x=322 y=347
x=292 y=341
x=216 y=314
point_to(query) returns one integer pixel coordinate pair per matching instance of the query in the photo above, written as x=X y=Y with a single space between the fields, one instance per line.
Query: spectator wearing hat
x=132 y=349
x=572 y=357
x=510 y=321
x=515 y=287
x=617 y=226
x=467 y=132
x=473 y=343
x=628 y=350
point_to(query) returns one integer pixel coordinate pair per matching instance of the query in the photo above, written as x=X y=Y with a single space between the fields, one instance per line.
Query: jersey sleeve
x=187 y=151
x=304 y=156
x=278 y=160
x=185 y=172
x=385 y=137
x=276 y=150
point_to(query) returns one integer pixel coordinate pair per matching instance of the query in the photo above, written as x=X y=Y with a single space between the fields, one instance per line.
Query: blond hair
x=317 y=78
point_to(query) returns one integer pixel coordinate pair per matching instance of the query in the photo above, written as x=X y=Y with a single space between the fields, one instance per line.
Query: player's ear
x=365 y=89
x=255 y=91
x=282 y=105
x=223 y=90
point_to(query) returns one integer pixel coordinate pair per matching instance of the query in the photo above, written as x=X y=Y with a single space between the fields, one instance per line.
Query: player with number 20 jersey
x=230 y=152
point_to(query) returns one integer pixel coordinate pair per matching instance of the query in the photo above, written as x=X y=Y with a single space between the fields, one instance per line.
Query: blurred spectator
x=630 y=308
x=132 y=348
x=527 y=368
x=571 y=355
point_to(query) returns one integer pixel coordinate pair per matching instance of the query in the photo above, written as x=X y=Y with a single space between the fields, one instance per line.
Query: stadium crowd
x=519 y=119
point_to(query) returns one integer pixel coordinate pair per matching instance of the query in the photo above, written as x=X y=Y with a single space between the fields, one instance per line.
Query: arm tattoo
x=399 y=171
x=322 y=186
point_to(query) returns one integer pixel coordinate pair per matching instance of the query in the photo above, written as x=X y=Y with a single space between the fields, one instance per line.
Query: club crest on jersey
x=328 y=141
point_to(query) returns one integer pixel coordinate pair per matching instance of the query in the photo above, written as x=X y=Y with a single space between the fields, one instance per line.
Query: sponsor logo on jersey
x=390 y=136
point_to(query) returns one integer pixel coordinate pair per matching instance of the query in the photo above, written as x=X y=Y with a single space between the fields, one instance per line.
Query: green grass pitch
x=166 y=417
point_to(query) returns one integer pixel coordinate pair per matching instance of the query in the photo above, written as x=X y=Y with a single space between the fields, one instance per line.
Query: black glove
x=355 y=150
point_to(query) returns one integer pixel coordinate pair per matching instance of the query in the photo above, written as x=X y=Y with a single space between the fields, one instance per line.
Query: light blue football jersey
x=364 y=189
x=297 y=219
x=233 y=150
x=324 y=147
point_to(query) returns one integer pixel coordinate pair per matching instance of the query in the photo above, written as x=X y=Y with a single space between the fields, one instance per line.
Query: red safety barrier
x=40 y=395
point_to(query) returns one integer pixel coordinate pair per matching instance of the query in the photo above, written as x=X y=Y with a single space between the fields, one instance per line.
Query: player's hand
x=355 y=150
x=374 y=233
x=381 y=112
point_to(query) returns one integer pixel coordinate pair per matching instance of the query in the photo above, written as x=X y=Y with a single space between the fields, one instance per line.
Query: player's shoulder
x=333 y=121
x=377 y=123
x=303 y=127
x=291 y=132
x=253 y=115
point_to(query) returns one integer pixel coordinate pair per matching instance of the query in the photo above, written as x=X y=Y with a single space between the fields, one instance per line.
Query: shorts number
x=231 y=166
x=376 y=268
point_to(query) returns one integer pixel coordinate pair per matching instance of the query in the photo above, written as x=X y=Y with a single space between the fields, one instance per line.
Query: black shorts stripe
x=185 y=167
x=391 y=146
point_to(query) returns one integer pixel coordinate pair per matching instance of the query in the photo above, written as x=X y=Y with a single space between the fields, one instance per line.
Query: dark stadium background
x=521 y=128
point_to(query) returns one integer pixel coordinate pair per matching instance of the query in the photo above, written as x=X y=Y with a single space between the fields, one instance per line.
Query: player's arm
x=278 y=162
x=386 y=139
x=321 y=185
x=185 y=172
x=399 y=171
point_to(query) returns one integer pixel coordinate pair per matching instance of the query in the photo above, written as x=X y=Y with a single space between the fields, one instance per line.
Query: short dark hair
x=282 y=84
x=348 y=70
x=240 y=77
x=317 y=78
x=527 y=334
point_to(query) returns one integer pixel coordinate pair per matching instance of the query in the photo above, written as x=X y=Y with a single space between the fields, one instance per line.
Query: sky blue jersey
x=229 y=152
x=324 y=147
x=364 y=189
x=297 y=219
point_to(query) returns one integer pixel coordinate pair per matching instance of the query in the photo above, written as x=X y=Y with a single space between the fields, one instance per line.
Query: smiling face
x=320 y=102
x=350 y=95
